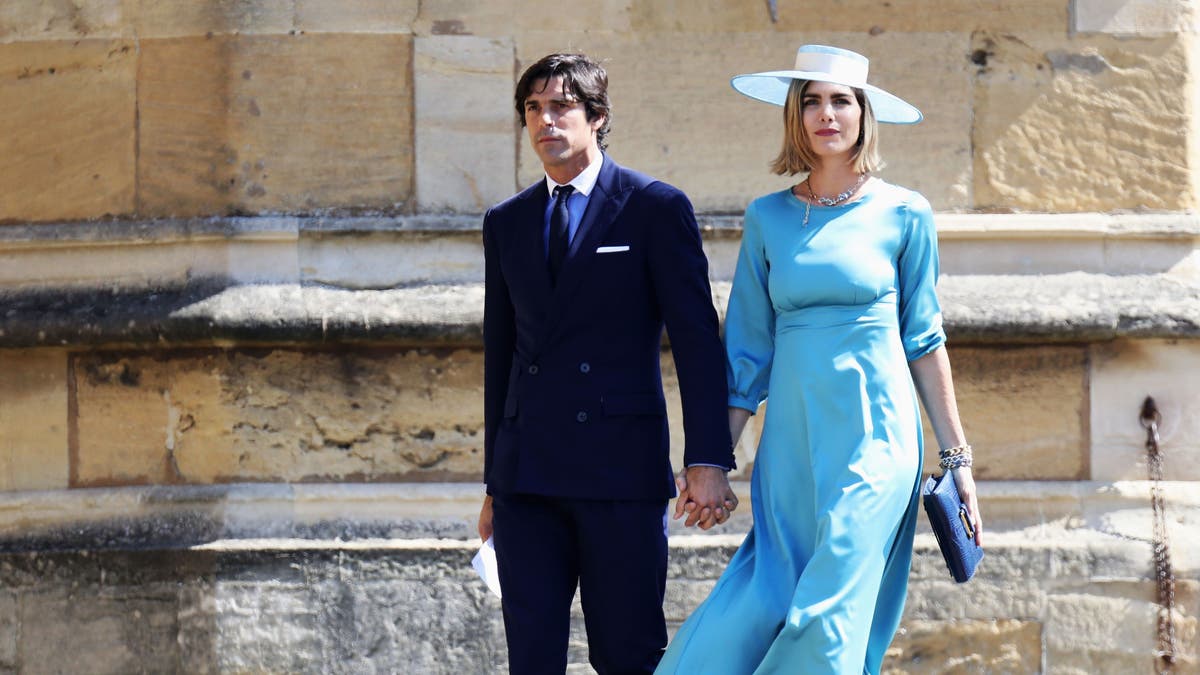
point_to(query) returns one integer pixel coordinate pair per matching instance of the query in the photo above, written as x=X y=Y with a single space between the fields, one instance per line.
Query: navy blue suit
x=576 y=436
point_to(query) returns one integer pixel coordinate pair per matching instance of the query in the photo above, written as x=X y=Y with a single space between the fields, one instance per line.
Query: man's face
x=561 y=134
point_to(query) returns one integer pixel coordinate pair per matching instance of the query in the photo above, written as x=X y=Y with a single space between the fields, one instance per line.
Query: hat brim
x=772 y=87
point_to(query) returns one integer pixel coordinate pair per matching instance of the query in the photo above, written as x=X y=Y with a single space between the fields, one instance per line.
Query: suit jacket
x=573 y=400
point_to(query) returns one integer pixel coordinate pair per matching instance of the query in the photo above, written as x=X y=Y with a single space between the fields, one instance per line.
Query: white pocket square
x=612 y=249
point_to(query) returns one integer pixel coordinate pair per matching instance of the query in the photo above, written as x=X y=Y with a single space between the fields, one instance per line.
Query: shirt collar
x=584 y=182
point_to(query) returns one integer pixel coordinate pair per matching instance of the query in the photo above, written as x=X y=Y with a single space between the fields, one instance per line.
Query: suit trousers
x=615 y=551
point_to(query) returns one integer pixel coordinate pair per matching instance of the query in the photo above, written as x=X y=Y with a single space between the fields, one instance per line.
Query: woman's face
x=832 y=119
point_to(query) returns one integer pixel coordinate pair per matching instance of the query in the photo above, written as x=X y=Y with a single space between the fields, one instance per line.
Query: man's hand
x=705 y=496
x=485 y=518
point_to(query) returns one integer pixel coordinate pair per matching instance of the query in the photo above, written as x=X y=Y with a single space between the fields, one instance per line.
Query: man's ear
x=597 y=123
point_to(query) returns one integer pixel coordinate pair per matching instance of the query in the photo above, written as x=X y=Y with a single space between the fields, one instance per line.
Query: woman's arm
x=935 y=385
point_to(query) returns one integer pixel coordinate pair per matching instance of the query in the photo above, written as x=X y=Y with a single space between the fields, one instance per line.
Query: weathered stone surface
x=73 y=630
x=1031 y=150
x=69 y=111
x=179 y=18
x=278 y=416
x=10 y=623
x=62 y=20
x=1124 y=373
x=1001 y=646
x=1139 y=18
x=356 y=16
x=33 y=420
x=1068 y=307
x=663 y=16
x=479 y=17
x=996 y=309
x=848 y=16
x=683 y=124
x=464 y=129
x=1024 y=410
x=295 y=123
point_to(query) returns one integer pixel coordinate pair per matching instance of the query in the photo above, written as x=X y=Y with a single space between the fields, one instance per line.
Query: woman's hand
x=966 y=490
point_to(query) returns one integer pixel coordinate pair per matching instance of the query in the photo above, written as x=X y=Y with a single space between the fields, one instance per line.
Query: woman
x=833 y=311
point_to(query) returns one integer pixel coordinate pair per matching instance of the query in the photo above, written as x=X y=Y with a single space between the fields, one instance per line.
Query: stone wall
x=240 y=304
x=173 y=108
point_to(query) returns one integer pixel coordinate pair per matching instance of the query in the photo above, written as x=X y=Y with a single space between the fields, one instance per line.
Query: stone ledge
x=1073 y=307
x=437 y=515
x=1184 y=226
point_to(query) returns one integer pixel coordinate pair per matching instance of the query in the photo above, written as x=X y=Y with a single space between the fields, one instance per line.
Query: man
x=579 y=284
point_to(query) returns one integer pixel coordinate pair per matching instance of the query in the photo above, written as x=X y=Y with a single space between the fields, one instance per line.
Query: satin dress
x=824 y=317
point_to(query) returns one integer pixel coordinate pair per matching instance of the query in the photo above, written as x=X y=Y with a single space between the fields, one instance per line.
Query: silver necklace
x=829 y=201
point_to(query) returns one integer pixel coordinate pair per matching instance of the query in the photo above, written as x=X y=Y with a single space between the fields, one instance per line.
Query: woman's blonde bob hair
x=797 y=155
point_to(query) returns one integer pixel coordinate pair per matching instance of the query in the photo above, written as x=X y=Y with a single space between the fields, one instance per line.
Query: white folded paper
x=484 y=563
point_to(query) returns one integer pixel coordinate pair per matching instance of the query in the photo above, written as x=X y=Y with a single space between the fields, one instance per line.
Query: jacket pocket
x=647 y=403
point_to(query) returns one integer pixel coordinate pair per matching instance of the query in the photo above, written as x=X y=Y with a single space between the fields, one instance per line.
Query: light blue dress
x=825 y=317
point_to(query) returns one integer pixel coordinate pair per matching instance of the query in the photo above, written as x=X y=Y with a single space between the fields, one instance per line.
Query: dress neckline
x=791 y=196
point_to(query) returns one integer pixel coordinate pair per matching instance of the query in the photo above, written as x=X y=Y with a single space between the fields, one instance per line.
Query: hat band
x=837 y=66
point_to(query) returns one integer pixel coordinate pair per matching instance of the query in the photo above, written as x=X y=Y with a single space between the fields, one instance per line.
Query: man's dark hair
x=582 y=77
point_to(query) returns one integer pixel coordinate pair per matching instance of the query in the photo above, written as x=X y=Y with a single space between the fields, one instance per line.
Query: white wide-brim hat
x=827 y=64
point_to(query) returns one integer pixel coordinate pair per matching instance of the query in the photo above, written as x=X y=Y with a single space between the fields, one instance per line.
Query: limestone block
x=478 y=17
x=998 y=646
x=1101 y=633
x=69 y=116
x=274 y=123
x=10 y=622
x=848 y=16
x=33 y=420
x=464 y=122
x=263 y=626
x=1051 y=114
x=29 y=20
x=179 y=18
x=681 y=122
x=370 y=261
x=1140 y=18
x=1024 y=410
x=133 y=413
x=499 y=19
x=279 y=416
x=356 y=16
x=64 y=630
x=1124 y=373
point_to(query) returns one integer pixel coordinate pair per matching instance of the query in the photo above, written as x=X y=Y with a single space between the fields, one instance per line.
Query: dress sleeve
x=749 y=321
x=917 y=268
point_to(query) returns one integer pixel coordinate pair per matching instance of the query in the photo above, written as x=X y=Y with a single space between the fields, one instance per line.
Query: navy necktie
x=560 y=229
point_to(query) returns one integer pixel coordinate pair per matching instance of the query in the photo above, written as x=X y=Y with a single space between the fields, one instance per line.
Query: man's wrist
x=715 y=466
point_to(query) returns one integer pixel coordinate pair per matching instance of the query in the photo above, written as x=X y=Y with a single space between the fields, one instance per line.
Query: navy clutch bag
x=952 y=526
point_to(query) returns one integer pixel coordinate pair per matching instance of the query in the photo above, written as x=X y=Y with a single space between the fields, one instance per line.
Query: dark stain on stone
x=255 y=190
x=253 y=108
x=425 y=434
x=980 y=57
x=246 y=74
x=449 y=27
x=99 y=374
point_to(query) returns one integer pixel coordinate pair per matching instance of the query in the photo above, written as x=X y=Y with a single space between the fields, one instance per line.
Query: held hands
x=705 y=496
x=966 y=490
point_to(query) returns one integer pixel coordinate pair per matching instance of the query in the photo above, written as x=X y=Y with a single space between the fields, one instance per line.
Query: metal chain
x=1164 y=576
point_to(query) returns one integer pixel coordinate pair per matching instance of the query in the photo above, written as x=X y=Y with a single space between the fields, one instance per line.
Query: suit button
x=585 y=367
x=581 y=416
x=533 y=369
